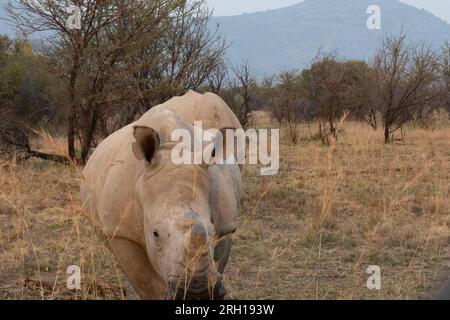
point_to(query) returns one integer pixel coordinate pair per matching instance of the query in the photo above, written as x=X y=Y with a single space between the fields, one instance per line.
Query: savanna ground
x=308 y=233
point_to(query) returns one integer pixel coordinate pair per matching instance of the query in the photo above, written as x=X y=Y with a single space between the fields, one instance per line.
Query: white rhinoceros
x=168 y=225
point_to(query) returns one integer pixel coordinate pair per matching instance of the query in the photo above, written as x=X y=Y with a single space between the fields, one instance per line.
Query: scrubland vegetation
x=365 y=155
x=308 y=233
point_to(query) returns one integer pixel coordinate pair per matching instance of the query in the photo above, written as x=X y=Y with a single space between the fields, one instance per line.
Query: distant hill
x=291 y=37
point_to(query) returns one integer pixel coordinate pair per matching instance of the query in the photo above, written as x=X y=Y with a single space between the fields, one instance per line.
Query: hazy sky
x=440 y=8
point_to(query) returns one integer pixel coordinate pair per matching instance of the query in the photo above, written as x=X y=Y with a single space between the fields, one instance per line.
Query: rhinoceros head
x=178 y=230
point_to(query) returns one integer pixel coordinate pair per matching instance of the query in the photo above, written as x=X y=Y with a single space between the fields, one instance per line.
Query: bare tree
x=217 y=78
x=126 y=53
x=240 y=92
x=289 y=101
x=184 y=58
x=404 y=80
x=445 y=76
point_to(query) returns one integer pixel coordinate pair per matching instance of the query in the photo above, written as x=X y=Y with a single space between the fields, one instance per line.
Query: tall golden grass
x=308 y=233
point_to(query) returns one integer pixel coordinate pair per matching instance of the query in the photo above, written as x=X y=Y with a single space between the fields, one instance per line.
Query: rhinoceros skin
x=167 y=225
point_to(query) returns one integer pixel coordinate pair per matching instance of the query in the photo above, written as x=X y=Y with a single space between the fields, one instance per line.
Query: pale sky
x=440 y=8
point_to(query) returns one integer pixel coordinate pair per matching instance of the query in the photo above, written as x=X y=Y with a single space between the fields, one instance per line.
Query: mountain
x=290 y=37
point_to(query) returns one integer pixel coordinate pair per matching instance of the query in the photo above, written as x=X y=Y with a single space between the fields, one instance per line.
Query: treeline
x=403 y=84
x=131 y=55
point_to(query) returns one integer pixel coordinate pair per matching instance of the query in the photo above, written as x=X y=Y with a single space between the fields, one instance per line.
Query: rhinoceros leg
x=222 y=253
x=133 y=260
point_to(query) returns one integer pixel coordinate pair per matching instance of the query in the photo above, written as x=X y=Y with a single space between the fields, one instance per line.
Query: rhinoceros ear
x=147 y=143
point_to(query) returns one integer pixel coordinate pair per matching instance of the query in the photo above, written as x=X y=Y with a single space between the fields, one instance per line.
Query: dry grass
x=308 y=233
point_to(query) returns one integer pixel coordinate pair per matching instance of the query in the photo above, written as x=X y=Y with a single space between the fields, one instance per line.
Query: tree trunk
x=87 y=135
x=332 y=128
x=310 y=132
x=71 y=135
x=387 y=138
x=373 y=115
x=72 y=121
